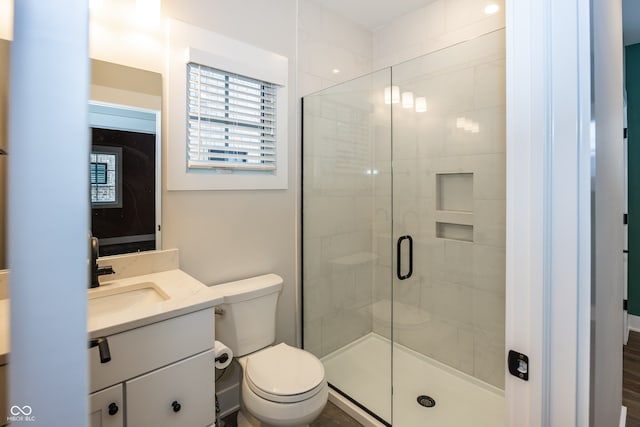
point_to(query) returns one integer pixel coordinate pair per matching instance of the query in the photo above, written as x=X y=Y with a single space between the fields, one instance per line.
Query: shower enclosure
x=404 y=237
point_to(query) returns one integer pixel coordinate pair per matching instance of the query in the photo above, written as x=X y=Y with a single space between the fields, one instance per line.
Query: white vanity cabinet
x=163 y=373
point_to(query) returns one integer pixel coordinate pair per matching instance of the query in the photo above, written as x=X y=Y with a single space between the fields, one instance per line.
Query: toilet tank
x=248 y=322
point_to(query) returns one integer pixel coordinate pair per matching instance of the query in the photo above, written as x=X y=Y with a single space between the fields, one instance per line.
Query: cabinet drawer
x=153 y=399
x=106 y=407
x=144 y=349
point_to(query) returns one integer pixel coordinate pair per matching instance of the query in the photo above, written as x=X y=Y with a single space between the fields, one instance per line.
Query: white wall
x=226 y=235
x=326 y=42
x=607 y=332
x=223 y=235
x=440 y=24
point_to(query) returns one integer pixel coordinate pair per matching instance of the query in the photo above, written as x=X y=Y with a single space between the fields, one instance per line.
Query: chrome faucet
x=96 y=270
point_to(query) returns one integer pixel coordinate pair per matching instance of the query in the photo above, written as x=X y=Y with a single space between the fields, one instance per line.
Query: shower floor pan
x=460 y=399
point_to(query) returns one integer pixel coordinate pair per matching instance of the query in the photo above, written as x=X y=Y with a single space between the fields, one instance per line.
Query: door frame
x=548 y=281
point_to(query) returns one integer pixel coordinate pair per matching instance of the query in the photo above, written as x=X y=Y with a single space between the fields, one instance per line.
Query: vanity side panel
x=4 y=394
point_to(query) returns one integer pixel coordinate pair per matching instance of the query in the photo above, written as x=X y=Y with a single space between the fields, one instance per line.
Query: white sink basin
x=108 y=301
x=136 y=301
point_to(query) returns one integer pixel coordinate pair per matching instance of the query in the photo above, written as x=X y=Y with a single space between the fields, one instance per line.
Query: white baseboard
x=623 y=416
x=634 y=323
x=625 y=315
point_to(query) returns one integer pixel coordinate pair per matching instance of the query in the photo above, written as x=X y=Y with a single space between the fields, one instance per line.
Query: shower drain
x=426 y=401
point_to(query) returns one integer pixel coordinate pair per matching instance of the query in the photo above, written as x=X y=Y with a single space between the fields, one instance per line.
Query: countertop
x=185 y=295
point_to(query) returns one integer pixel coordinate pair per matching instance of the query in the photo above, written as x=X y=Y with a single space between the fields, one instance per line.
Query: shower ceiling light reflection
x=408 y=99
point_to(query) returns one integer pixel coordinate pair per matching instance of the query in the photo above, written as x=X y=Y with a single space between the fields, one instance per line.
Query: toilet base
x=248 y=420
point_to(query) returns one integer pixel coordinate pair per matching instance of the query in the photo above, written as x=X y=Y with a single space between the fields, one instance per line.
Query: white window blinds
x=231 y=121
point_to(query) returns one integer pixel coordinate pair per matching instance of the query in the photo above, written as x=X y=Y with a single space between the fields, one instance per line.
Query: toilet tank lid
x=246 y=289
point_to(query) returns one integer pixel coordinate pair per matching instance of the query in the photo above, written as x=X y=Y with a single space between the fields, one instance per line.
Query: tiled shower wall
x=328 y=42
x=452 y=309
x=450 y=174
x=439 y=24
x=338 y=217
x=339 y=127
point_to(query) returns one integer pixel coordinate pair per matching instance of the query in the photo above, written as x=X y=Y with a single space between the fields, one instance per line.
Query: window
x=106 y=177
x=231 y=121
x=227 y=113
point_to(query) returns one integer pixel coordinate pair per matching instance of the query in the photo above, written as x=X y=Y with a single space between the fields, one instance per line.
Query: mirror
x=111 y=84
x=124 y=178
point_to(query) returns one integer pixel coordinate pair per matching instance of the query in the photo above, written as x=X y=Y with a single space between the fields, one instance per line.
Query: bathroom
x=258 y=231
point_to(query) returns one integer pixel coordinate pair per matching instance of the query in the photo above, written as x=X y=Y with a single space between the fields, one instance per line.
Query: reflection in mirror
x=124 y=165
x=124 y=115
x=110 y=83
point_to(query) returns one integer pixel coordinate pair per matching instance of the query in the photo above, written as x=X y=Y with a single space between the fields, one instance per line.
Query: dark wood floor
x=331 y=416
x=631 y=379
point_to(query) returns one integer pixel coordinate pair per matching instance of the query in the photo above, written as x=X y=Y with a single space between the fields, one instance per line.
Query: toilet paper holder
x=222 y=355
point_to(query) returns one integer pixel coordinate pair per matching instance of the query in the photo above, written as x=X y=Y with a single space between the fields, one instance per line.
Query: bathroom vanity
x=151 y=342
x=166 y=369
x=150 y=345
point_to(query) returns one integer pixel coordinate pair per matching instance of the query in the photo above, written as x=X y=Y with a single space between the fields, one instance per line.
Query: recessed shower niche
x=454 y=192
x=454 y=206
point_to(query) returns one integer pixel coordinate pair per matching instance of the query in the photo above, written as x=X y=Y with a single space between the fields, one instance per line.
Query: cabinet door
x=179 y=395
x=106 y=407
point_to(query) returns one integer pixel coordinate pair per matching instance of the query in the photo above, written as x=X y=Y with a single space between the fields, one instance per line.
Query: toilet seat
x=284 y=374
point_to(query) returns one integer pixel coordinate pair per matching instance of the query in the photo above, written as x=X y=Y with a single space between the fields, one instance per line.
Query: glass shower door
x=346 y=216
x=449 y=236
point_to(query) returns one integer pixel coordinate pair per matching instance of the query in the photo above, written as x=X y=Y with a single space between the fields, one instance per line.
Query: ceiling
x=372 y=14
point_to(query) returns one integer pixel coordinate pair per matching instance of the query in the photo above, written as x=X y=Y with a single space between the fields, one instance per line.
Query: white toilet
x=281 y=385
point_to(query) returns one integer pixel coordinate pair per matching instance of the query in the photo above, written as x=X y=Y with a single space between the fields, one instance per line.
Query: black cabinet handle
x=399 y=257
x=176 y=406
x=103 y=348
x=113 y=408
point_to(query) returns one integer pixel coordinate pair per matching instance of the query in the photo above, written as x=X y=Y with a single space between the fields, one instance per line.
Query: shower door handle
x=399 y=249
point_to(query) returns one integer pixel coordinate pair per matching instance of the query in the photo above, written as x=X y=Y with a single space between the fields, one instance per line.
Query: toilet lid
x=284 y=374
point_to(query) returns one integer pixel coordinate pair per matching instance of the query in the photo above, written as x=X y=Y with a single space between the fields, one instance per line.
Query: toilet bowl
x=282 y=386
